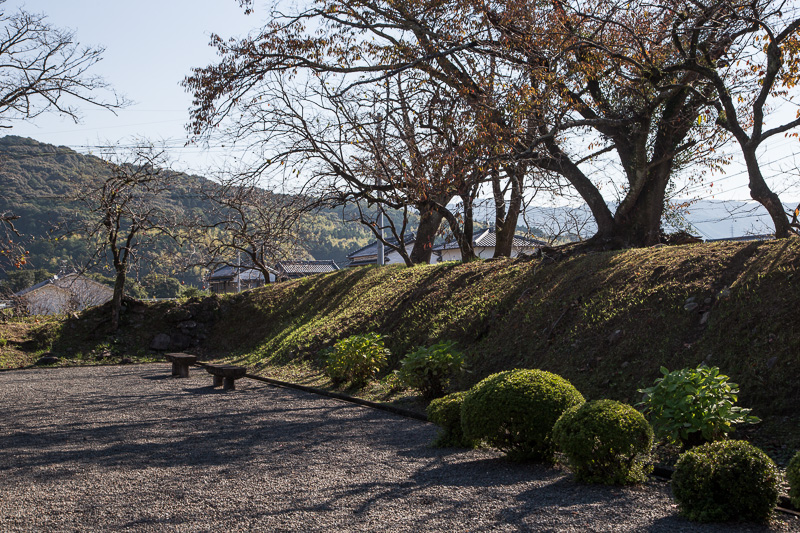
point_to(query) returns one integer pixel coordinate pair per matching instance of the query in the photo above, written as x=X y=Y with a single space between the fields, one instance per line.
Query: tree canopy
x=577 y=96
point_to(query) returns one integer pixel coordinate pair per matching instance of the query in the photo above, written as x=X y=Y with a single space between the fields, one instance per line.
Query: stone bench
x=226 y=375
x=181 y=363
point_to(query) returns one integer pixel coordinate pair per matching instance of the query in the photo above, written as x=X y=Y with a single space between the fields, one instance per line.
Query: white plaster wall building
x=63 y=294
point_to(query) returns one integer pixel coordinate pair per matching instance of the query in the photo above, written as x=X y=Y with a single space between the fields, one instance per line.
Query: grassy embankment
x=605 y=321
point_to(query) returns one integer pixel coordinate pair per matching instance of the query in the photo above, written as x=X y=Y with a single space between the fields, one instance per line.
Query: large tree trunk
x=761 y=193
x=258 y=262
x=429 y=222
x=465 y=237
x=506 y=220
x=637 y=222
x=116 y=300
x=641 y=224
x=264 y=272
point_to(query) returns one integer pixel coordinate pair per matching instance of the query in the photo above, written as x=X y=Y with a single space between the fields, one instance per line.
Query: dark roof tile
x=228 y=273
x=372 y=248
x=305 y=268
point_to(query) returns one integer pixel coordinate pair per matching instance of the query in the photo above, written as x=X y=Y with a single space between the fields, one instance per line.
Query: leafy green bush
x=692 y=406
x=356 y=359
x=390 y=383
x=445 y=412
x=725 y=480
x=158 y=286
x=428 y=369
x=194 y=292
x=793 y=477
x=605 y=442
x=515 y=411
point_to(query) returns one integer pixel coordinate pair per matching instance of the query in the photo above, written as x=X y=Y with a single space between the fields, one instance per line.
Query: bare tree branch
x=128 y=210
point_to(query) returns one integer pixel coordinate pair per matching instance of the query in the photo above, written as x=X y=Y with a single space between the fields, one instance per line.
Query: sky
x=150 y=46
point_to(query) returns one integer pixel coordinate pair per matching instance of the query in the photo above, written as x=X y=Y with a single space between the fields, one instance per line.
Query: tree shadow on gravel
x=164 y=435
x=158 y=377
x=151 y=523
x=563 y=491
x=208 y=389
x=430 y=451
x=669 y=524
x=484 y=472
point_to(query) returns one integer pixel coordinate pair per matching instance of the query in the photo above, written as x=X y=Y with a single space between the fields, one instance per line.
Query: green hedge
x=726 y=480
x=793 y=477
x=428 y=368
x=515 y=411
x=356 y=359
x=693 y=406
x=445 y=412
x=605 y=442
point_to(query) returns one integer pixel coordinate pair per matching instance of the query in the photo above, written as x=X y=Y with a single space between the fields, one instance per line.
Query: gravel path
x=131 y=449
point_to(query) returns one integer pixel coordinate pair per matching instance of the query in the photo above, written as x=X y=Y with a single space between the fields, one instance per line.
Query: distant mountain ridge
x=723 y=219
x=708 y=219
x=37 y=180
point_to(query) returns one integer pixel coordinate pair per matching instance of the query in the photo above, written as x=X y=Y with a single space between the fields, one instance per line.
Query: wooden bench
x=226 y=375
x=181 y=363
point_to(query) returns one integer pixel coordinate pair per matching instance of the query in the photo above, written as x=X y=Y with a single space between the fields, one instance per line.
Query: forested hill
x=37 y=181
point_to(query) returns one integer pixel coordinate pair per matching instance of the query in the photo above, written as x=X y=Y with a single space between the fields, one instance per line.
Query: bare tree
x=12 y=253
x=421 y=154
x=563 y=224
x=245 y=218
x=43 y=69
x=127 y=210
x=536 y=77
x=394 y=146
x=759 y=66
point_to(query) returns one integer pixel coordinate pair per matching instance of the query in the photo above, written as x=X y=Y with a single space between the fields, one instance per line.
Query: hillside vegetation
x=39 y=181
x=605 y=321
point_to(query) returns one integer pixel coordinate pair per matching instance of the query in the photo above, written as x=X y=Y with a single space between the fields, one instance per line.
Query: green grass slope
x=605 y=321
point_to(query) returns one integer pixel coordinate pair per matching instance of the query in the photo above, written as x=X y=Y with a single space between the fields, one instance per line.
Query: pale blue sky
x=150 y=46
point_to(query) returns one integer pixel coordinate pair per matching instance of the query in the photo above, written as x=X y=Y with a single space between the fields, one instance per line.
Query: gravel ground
x=131 y=449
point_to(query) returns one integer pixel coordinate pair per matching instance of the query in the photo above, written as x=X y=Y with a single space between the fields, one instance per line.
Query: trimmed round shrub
x=445 y=412
x=428 y=368
x=793 y=477
x=605 y=442
x=725 y=480
x=515 y=411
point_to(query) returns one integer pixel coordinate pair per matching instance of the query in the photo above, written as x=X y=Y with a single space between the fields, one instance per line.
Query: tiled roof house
x=368 y=255
x=300 y=269
x=230 y=278
x=484 y=242
x=62 y=294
